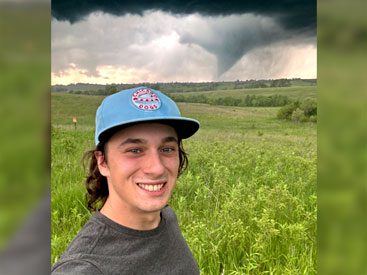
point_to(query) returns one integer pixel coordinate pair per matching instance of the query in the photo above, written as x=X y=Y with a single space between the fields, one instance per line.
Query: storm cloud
x=179 y=41
x=297 y=14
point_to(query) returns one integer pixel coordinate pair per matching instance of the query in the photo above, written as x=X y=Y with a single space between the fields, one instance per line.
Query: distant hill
x=77 y=87
x=259 y=93
x=182 y=87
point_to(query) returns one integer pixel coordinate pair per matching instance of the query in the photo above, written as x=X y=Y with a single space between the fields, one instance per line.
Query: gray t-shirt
x=105 y=247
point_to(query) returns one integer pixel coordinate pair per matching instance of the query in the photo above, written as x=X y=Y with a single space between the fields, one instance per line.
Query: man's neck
x=129 y=218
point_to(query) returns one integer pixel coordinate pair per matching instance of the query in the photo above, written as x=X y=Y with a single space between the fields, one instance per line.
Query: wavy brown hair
x=96 y=184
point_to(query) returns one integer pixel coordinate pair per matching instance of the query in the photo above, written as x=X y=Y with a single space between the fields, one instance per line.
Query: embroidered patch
x=146 y=100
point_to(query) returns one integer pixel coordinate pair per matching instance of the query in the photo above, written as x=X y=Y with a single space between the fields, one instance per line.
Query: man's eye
x=135 y=150
x=168 y=150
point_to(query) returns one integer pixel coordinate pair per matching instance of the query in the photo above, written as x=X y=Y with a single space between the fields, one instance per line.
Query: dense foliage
x=299 y=111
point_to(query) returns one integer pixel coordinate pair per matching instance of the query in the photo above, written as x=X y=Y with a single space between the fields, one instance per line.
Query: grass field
x=247 y=203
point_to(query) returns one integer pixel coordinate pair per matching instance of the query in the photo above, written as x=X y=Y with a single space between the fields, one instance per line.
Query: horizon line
x=181 y=82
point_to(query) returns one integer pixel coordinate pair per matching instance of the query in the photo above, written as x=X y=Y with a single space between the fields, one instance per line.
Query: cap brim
x=185 y=127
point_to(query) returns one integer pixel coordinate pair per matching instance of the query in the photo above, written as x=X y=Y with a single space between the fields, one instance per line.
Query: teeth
x=150 y=187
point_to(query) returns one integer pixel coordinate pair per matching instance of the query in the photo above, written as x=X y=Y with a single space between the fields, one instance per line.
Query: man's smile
x=152 y=187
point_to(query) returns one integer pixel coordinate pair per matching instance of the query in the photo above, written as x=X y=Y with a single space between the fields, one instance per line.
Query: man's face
x=141 y=167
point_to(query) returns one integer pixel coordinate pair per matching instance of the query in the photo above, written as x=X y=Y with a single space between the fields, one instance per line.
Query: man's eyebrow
x=133 y=140
x=143 y=141
x=170 y=139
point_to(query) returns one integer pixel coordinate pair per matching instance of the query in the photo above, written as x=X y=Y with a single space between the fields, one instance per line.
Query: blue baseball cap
x=138 y=105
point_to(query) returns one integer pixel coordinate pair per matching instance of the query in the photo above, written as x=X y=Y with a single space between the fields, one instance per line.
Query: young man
x=133 y=171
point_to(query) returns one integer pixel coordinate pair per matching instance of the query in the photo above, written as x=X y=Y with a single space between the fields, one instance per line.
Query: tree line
x=247 y=101
x=297 y=111
x=181 y=87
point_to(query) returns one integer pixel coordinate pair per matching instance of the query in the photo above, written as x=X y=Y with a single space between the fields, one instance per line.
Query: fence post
x=75 y=121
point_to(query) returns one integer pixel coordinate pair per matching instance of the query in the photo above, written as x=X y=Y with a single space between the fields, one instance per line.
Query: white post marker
x=75 y=121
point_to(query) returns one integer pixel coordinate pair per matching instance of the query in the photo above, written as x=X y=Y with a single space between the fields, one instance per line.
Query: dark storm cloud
x=85 y=34
x=297 y=14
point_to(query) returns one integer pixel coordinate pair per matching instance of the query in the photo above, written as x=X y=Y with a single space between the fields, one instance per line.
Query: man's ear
x=102 y=163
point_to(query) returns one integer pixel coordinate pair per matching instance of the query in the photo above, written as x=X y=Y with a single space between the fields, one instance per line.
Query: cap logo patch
x=146 y=100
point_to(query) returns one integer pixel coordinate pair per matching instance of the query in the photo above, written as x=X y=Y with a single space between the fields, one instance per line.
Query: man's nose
x=153 y=165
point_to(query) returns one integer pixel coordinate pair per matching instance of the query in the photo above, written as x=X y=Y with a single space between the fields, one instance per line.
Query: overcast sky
x=120 y=42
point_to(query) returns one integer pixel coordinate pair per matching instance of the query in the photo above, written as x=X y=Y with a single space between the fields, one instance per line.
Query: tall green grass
x=246 y=204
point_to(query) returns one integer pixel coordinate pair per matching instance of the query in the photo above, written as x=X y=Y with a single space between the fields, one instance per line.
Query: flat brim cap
x=139 y=105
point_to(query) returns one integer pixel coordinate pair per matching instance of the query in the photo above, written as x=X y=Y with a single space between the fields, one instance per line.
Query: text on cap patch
x=146 y=100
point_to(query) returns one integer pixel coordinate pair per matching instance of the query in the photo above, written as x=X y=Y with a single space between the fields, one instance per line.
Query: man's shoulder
x=87 y=238
x=73 y=260
x=75 y=266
